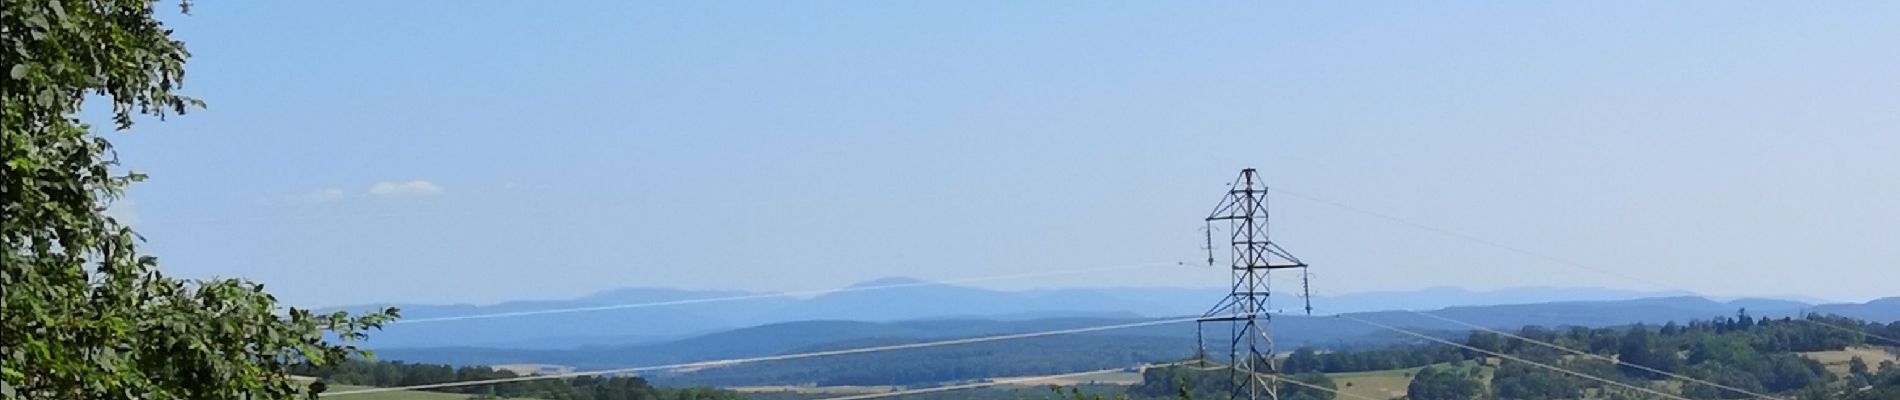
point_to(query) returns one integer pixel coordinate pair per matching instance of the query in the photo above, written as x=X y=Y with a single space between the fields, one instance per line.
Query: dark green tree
x=85 y=316
x=1483 y=340
x=1722 y=374
x=1303 y=360
x=1858 y=367
x=1641 y=347
x=1517 y=380
x=1785 y=371
x=1442 y=383
x=1729 y=349
x=1184 y=382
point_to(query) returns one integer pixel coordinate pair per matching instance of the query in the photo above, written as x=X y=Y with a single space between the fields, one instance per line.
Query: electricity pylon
x=1253 y=256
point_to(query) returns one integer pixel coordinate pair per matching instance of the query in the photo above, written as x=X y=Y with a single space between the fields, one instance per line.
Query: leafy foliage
x=1882 y=385
x=1518 y=380
x=1722 y=374
x=1308 y=360
x=1437 y=383
x=1758 y=355
x=1183 y=382
x=85 y=315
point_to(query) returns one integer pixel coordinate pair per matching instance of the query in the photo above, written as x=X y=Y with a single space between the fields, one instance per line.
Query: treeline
x=1868 y=384
x=935 y=365
x=1198 y=382
x=1742 y=352
x=388 y=374
x=1753 y=354
x=1305 y=359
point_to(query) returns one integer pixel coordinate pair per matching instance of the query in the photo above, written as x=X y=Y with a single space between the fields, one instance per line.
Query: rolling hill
x=1153 y=343
x=916 y=301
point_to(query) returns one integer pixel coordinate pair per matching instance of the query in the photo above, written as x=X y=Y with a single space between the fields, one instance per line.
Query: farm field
x=1111 y=378
x=1375 y=384
x=1119 y=378
x=1836 y=360
x=839 y=390
x=397 y=395
x=1385 y=384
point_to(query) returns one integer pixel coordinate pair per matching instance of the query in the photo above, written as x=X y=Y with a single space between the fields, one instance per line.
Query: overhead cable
x=1507 y=356
x=1599 y=356
x=781 y=357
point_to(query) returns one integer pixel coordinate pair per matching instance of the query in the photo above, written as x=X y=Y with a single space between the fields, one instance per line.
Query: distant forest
x=927 y=366
x=1754 y=354
x=389 y=374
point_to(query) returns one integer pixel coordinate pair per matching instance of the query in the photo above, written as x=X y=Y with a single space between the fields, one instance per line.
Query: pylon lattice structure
x=1245 y=309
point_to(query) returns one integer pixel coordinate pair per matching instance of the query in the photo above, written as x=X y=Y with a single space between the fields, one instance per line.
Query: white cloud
x=410 y=189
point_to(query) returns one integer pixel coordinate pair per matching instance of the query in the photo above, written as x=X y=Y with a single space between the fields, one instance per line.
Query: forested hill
x=1778 y=356
x=1288 y=330
x=921 y=300
x=1758 y=355
x=388 y=374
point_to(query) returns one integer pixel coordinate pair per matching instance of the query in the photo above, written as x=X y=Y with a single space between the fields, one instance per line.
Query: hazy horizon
x=1516 y=289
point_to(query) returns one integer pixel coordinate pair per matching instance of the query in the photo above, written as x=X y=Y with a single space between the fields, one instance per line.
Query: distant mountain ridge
x=1174 y=339
x=918 y=300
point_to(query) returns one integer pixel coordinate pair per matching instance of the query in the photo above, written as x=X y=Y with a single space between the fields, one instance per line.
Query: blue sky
x=485 y=151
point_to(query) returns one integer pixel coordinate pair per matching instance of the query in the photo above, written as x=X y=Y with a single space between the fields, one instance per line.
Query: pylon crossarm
x=1253 y=255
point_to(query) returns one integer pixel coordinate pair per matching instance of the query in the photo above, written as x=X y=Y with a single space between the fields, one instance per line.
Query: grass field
x=841 y=390
x=1117 y=378
x=396 y=395
x=1836 y=360
x=1111 y=378
x=1375 y=384
x=1385 y=384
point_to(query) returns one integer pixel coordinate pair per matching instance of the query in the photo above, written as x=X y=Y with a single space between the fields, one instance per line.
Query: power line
x=1257 y=375
x=1001 y=337
x=992 y=382
x=974 y=385
x=1862 y=332
x=1322 y=388
x=1064 y=376
x=1522 y=251
x=748 y=360
x=1598 y=356
x=1507 y=356
x=1252 y=259
x=783 y=294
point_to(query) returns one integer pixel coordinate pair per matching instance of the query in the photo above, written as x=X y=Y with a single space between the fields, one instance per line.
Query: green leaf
x=86 y=311
x=38 y=21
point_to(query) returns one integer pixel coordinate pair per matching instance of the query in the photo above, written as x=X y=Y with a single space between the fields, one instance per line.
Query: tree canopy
x=1442 y=383
x=86 y=316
